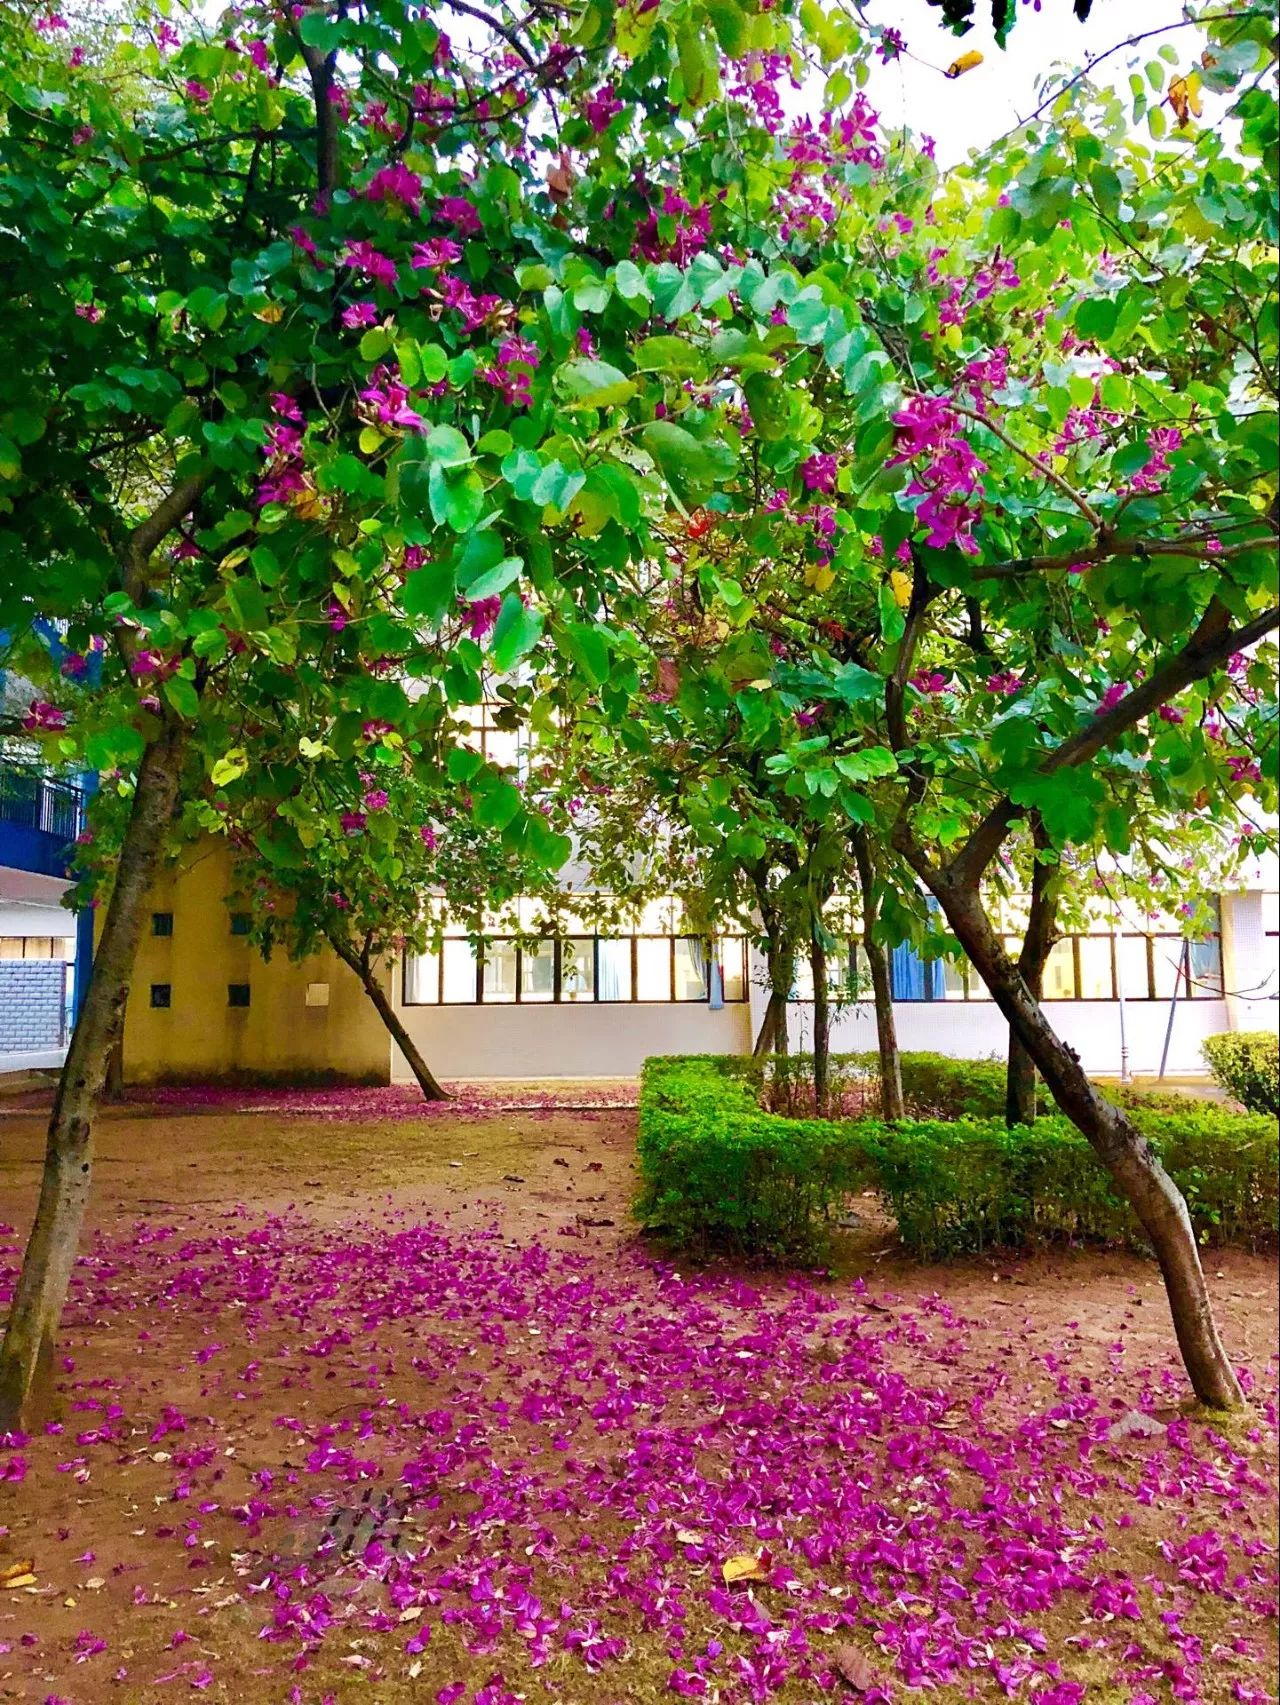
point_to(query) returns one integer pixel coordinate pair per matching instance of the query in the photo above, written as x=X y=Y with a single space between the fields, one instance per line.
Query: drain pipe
x=1184 y=971
x=1116 y=945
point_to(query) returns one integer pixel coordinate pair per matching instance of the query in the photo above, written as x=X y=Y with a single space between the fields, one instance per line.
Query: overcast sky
x=985 y=102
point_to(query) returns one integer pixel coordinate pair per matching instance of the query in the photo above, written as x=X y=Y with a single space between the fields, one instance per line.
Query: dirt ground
x=285 y=1298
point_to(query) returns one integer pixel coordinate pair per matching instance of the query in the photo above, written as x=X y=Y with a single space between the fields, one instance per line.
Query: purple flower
x=396 y=183
x=352 y=822
x=44 y=718
x=377 y=799
x=602 y=108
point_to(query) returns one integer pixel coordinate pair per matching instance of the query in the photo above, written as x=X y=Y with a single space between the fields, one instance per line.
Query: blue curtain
x=913 y=978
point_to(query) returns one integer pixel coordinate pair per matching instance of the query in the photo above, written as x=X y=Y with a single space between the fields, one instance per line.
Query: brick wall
x=31 y=1003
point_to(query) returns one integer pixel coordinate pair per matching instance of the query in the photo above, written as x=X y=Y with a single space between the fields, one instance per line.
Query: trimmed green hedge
x=1247 y=1065
x=719 y=1173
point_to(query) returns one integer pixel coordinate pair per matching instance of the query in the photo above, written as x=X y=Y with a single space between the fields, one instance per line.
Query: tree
x=1009 y=497
x=335 y=342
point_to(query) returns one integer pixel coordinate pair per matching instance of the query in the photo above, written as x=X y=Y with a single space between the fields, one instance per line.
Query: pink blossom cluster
x=948 y=472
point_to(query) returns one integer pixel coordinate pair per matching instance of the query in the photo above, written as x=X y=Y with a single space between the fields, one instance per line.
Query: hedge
x=1247 y=1065
x=718 y=1172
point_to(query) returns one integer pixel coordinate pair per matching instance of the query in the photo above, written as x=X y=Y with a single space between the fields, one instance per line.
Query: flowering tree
x=1007 y=494
x=335 y=343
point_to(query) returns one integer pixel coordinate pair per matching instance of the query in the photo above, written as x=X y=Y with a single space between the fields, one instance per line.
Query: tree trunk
x=113 y=1083
x=881 y=985
x=772 y=1036
x=1037 y=944
x=431 y=1089
x=26 y=1356
x=821 y=1024
x=1154 y=1197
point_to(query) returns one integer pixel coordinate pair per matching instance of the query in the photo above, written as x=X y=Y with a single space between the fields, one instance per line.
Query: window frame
x=557 y=996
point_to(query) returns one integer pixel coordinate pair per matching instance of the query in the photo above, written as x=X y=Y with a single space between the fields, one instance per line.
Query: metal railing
x=36 y=801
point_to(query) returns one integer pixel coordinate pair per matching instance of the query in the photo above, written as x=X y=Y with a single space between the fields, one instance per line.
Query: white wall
x=20 y=918
x=604 y=1039
x=1250 y=972
x=974 y=1030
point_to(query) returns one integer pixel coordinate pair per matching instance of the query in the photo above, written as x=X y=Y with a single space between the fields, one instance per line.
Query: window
x=161 y=995
x=37 y=947
x=241 y=923
x=162 y=923
x=657 y=963
x=1097 y=967
x=237 y=994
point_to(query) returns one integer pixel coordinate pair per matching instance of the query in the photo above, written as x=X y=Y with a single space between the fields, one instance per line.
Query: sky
x=984 y=103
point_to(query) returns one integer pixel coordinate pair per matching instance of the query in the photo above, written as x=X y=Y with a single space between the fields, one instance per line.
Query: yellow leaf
x=273 y=313
x=17 y=1574
x=900 y=586
x=1184 y=97
x=745 y=1567
x=966 y=62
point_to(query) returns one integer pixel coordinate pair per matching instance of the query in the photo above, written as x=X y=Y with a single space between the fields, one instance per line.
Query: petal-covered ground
x=400 y=1410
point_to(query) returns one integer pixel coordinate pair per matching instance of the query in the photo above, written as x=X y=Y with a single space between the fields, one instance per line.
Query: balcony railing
x=35 y=801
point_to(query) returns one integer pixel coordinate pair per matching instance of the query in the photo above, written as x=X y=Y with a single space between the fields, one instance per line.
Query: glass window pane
x=1095 y=968
x=1206 y=969
x=422 y=979
x=733 y=966
x=802 y=980
x=653 y=969
x=459 y=971
x=615 y=970
x=691 y=969
x=656 y=915
x=1060 y=972
x=577 y=968
x=1166 y=957
x=39 y=947
x=502 y=748
x=538 y=971
x=978 y=990
x=948 y=980
x=1131 y=967
x=499 y=972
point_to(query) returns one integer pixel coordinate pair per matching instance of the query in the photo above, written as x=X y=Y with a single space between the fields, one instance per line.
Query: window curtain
x=610 y=988
x=698 y=957
x=912 y=978
x=715 y=986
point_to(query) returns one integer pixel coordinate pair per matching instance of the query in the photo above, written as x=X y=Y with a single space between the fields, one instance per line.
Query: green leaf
x=892 y=622
x=595 y=384
x=446 y=447
x=588 y=645
x=673 y=355
x=1096 y=318
x=495 y=579
x=1067 y=801
x=683 y=460
x=183 y=696
x=517 y=632
x=630 y=282
x=463 y=764
x=456 y=497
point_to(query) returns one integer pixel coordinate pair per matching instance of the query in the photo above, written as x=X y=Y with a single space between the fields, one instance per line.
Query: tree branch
x=1211 y=645
x=1038 y=463
x=148 y=534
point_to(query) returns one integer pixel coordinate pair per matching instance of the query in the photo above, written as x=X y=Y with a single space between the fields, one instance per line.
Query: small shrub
x=1247 y=1065
x=717 y=1173
x=720 y=1173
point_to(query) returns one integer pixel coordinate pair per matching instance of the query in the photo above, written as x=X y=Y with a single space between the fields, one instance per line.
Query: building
x=45 y=950
x=204 y=1005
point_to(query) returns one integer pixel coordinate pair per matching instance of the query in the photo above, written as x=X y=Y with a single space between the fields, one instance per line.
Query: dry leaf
x=9 y=1572
x=966 y=62
x=747 y=1567
x=411 y=1614
x=560 y=179
x=27 y=1580
x=854 y=1669
x=1184 y=98
x=689 y=1536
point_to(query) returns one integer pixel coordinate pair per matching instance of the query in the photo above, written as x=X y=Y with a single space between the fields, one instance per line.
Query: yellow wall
x=200 y=1035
